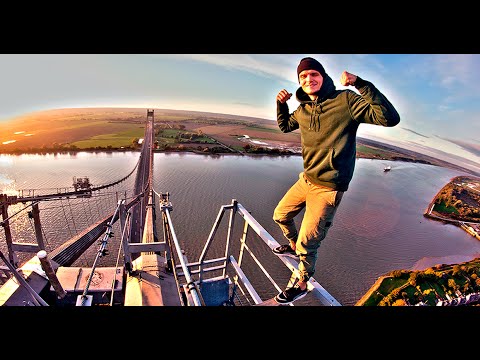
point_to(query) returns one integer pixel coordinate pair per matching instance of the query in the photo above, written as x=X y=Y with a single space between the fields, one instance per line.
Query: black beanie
x=309 y=63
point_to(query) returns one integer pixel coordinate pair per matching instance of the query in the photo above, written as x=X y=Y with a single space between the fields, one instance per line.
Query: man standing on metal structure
x=328 y=120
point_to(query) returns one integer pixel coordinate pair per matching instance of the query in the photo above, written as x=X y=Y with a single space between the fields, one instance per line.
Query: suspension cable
x=71 y=215
x=19 y=211
x=65 y=216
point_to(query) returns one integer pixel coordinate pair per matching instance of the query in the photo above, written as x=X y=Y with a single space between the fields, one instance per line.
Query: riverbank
x=461 y=195
x=458 y=203
x=439 y=284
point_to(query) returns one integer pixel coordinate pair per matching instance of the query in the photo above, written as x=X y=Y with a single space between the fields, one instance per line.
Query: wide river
x=379 y=226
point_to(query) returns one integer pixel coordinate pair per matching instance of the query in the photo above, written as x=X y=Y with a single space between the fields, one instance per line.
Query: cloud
x=467 y=146
x=447 y=156
x=416 y=133
x=457 y=74
x=270 y=66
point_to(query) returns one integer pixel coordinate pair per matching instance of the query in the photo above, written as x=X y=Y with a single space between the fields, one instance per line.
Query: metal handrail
x=325 y=297
x=264 y=235
x=165 y=207
x=211 y=236
x=35 y=297
x=240 y=280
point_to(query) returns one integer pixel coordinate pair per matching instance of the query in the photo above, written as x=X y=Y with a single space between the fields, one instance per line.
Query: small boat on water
x=387 y=168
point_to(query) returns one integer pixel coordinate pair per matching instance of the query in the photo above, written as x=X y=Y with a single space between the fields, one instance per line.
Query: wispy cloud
x=428 y=150
x=455 y=70
x=269 y=66
x=468 y=146
x=416 y=133
x=457 y=75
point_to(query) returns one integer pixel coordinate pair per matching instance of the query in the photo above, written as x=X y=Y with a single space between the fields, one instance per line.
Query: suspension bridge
x=152 y=272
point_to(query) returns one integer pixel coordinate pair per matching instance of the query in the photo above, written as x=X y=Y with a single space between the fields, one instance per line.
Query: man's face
x=311 y=81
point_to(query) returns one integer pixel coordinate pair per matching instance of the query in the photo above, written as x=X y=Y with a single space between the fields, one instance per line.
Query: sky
x=436 y=95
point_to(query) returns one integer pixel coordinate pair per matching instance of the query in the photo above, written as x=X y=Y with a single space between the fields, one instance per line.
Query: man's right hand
x=283 y=96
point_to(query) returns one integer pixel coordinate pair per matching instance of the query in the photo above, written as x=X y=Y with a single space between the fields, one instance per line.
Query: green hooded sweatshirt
x=328 y=128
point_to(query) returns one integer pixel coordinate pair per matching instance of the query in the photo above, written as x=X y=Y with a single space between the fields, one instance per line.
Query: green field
x=371 y=151
x=174 y=135
x=443 y=208
x=118 y=140
x=259 y=128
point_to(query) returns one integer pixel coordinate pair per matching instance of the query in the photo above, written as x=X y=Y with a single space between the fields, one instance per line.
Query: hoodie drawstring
x=313 y=124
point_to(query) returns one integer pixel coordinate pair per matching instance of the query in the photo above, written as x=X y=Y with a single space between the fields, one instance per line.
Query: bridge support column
x=127 y=257
x=38 y=226
x=12 y=257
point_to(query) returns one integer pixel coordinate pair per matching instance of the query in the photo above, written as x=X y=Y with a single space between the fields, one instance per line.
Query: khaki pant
x=320 y=205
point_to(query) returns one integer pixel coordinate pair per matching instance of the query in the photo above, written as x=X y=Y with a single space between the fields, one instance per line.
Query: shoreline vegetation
x=456 y=283
x=64 y=131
